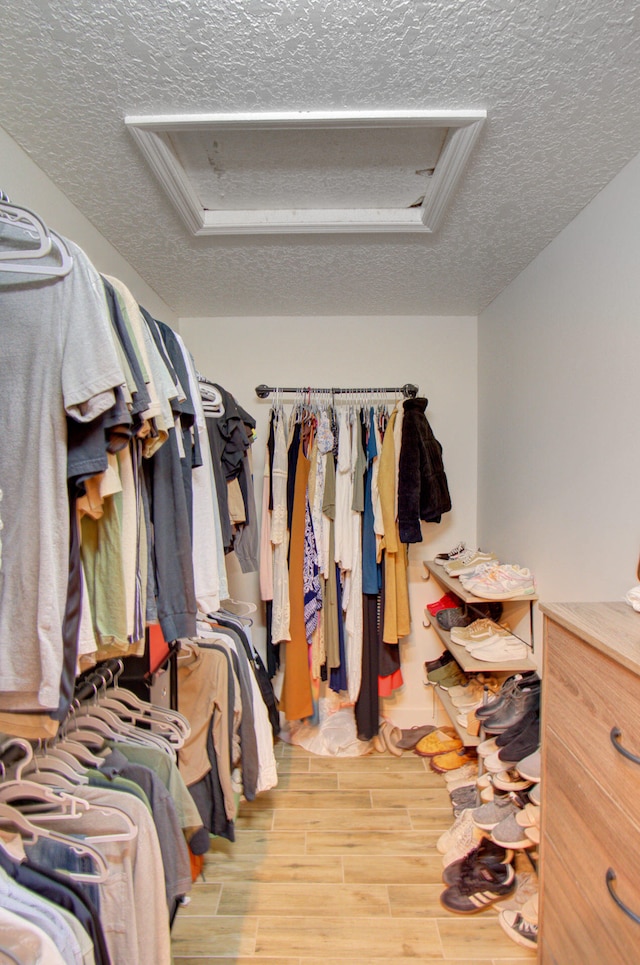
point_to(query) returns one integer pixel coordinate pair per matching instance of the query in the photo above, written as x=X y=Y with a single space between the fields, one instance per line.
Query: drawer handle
x=615 y=736
x=611 y=877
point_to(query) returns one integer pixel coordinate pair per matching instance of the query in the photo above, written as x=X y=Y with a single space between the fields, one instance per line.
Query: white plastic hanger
x=80 y=752
x=12 y=259
x=11 y=816
x=146 y=710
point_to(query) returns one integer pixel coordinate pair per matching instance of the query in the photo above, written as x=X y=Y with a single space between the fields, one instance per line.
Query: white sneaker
x=499 y=634
x=470 y=561
x=501 y=649
x=462 y=838
x=478 y=630
x=458 y=834
x=483 y=569
x=487 y=747
x=503 y=583
x=521 y=931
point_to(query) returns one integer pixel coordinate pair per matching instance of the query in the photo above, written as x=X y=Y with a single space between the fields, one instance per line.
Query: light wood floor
x=336 y=866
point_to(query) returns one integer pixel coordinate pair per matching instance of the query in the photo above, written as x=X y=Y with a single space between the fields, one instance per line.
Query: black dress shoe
x=521 y=702
x=510 y=686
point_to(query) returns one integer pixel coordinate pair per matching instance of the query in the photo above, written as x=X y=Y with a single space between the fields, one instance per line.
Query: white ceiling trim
x=463 y=128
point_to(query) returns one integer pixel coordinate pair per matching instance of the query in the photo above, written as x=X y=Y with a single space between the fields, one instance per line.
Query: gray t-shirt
x=57 y=357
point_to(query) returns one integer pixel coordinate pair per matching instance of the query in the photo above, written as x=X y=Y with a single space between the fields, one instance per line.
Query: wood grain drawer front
x=589 y=694
x=591 y=833
x=570 y=932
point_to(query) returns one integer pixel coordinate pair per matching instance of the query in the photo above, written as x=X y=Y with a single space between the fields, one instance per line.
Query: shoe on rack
x=521 y=931
x=471 y=697
x=494 y=764
x=467 y=773
x=461 y=836
x=491 y=681
x=526 y=888
x=487 y=747
x=456 y=616
x=509 y=834
x=439 y=741
x=480 y=890
x=449 y=676
x=523 y=744
x=486 y=853
x=521 y=702
x=500 y=650
x=453 y=554
x=452 y=760
x=505 y=582
x=470 y=561
x=445 y=657
x=465 y=796
x=481 y=630
x=445 y=602
x=530 y=720
x=535 y=794
x=510 y=780
x=529 y=816
x=529 y=767
x=509 y=687
x=488 y=816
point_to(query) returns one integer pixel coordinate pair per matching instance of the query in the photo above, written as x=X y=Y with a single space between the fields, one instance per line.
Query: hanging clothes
x=296 y=700
x=423 y=492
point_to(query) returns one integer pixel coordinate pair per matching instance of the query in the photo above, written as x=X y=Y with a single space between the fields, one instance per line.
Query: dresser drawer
x=570 y=933
x=590 y=833
x=587 y=695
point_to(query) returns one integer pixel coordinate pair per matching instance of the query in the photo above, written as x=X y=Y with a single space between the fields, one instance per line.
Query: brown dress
x=296 y=701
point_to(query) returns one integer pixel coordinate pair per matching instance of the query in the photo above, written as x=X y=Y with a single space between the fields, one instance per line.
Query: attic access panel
x=309 y=172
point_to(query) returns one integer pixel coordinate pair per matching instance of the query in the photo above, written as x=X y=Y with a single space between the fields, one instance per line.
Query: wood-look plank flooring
x=336 y=866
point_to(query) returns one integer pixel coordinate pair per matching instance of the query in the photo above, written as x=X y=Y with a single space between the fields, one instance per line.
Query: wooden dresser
x=590 y=847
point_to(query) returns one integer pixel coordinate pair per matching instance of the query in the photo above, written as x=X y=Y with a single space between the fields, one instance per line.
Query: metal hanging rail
x=408 y=390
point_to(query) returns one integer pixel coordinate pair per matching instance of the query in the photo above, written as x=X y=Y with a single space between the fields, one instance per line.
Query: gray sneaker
x=487 y=816
x=509 y=834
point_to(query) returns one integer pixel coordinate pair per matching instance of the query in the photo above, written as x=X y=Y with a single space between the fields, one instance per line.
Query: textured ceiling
x=559 y=81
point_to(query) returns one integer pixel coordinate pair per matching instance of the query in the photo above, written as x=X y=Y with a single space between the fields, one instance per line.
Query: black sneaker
x=441 y=661
x=453 y=554
x=454 y=617
x=488 y=884
x=487 y=853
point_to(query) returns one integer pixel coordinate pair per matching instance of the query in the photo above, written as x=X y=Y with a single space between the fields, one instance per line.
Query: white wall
x=559 y=406
x=27 y=185
x=438 y=354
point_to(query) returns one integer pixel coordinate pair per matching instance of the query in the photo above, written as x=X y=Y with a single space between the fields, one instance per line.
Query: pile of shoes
x=468 y=692
x=511 y=754
x=481 y=868
x=496 y=807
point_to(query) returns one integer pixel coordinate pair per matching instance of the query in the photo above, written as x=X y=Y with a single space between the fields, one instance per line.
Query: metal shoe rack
x=463 y=658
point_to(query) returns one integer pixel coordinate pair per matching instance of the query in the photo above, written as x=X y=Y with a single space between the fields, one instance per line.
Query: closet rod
x=408 y=390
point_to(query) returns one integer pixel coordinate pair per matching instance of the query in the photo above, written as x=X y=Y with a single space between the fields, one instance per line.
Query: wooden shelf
x=467 y=662
x=471 y=664
x=452 y=713
x=452 y=583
